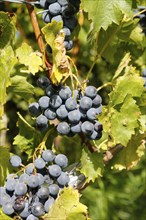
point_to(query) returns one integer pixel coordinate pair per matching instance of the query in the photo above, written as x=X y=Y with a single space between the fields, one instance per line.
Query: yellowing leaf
x=67 y=207
x=4 y=164
x=29 y=58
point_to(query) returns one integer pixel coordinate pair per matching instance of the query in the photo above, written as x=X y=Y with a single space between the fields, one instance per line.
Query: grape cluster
x=32 y=193
x=142 y=17
x=61 y=10
x=144 y=77
x=76 y=112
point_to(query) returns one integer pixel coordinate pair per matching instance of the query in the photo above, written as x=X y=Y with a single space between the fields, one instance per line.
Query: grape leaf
x=28 y=138
x=55 y=38
x=21 y=87
x=4 y=164
x=3 y=216
x=7 y=30
x=104 y=13
x=7 y=62
x=131 y=154
x=67 y=207
x=91 y=165
x=29 y=58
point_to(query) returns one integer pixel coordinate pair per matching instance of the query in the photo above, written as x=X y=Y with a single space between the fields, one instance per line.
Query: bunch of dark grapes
x=142 y=17
x=32 y=193
x=76 y=112
x=61 y=10
x=144 y=77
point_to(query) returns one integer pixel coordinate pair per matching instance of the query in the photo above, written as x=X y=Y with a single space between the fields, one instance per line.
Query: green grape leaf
x=124 y=122
x=4 y=164
x=7 y=62
x=55 y=38
x=91 y=165
x=127 y=84
x=30 y=59
x=28 y=138
x=131 y=154
x=7 y=30
x=104 y=13
x=67 y=207
x=21 y=87
x=3 y=216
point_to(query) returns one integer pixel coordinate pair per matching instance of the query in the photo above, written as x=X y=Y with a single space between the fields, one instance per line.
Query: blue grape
x=11 y=184
x=39 y=163
x=67 y=32
x=97 y=101
x=57 y=18
x=33 y=181
x=32 y=217
x=87 y=127
x=62 y=112
x=15 y=161
x=49 y=91
x=68 y=44
x=12 y=176
x=42 y=121
x=99 y=110
x=40 y=178
x=34 y=109
x=7 y=208
x=46 y=17
x=91 y=114
x=70 y=104
x=83 y=113
x=55 y=101
x=43 y=3
x=65 y=92
x=48 y=204
x=43 y=192
x=38 y=209
x=20 y=189
x=2 y=190
x=63 y=128
x=74 y=116
x=44 y=102
x=48 y=180
x=43 y=82
x=93 y=135
x=50 y=113
x=98 y=126
x=70 y=22
x=29 y=169
x=63 y=2
x=90 y=91
x=54 y=170
x=61 y=160
x=75 y=128
x=48 y=155
x=54 y=8
x=54 y=189
x=19 y=203
x=26 y=211
x=63 y=179
x=23 y=178
x=85 y=103
x=4 y=198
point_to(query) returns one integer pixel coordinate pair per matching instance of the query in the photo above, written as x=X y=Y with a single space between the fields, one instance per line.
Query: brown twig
x=91 y=148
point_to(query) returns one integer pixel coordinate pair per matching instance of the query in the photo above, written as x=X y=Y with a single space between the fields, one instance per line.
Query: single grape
x=98 y=126
x=75 y=128
x=32 y=217
x=97 y=101
x=26 y=211
x=85 y=103
x=4 y=198
x=99 y=110
x=63 y=179
x=33 y=181
x=42 y=121
x=91 y=114
x=46 y=17
x=48 y=204
x=70 y=22
x=83 y=113
x=48 y=180
x=67 y=33
x=90 y=91
x=23 y=178
x=54 y=170
x=12 y=176
x=55 y=101
x=54 y=8
x=15 y=161
x=65 y=92
x=44 y=102
x=7 y=208
x=48 y=155
x=93 y=135
x=43 y=82
x=19 y=204
x=49 y=91
x=87 y=127
x=29 y=169
x=63 y=128
x=38 y=209
x=50 y=113
x=54 y=189
x=61 y=160
x=63 y=2
x=11 y=184
x=57 y=18
x=39 y=163
x=43 y=192
x=62 y=112
x=20 y=189
x=34 y=109
x=2 y=190
x=43 y=3
x=40 y=178
x=74 y=116
x=70 y=104
x=68 y=44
